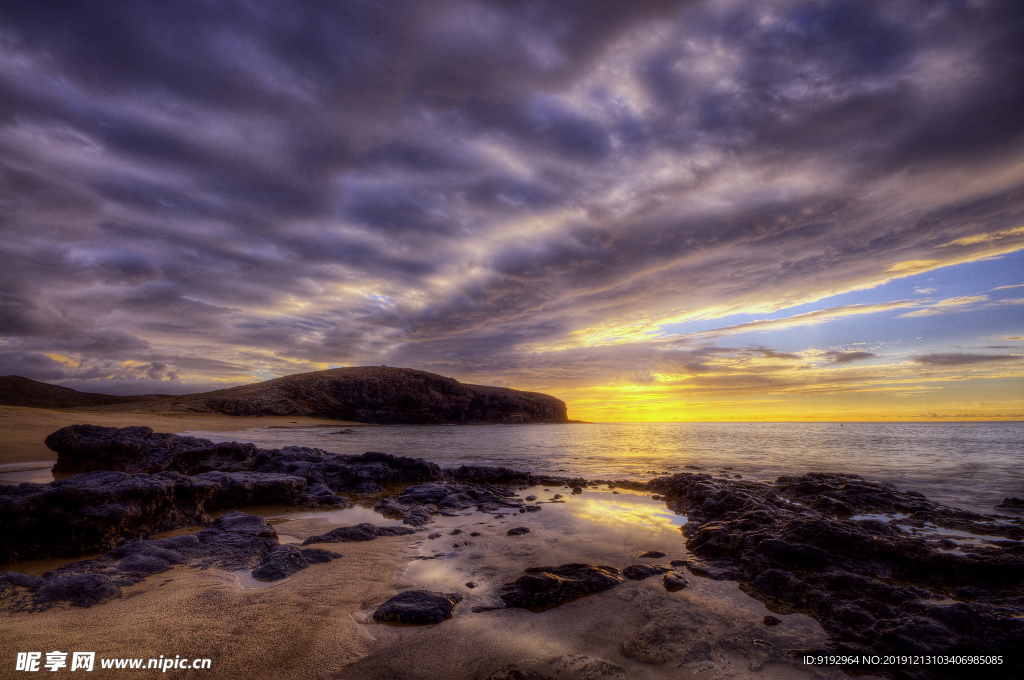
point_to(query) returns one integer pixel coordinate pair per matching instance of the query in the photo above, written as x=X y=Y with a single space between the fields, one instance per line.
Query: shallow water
x=596 y=527
x=968 y=465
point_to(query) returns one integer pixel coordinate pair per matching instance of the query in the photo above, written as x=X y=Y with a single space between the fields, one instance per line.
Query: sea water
x=968 y=465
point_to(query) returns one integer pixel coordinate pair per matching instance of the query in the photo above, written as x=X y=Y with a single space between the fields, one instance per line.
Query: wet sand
x=299 y=628
x=316 y=623
x=24 y=429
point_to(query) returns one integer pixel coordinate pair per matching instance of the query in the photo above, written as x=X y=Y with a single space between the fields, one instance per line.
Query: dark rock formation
x=97 y=511
x=675 y=581
x=871 y=583
x=285 y=560
x=100 y=510
x=83 y=448
x=541 y=588
x=416 y=504
x=638 y=572
x=518 y=531
x=358 y=532
x=1012 y=503
x=234 y=541
x=417 y=607
x=657 y=554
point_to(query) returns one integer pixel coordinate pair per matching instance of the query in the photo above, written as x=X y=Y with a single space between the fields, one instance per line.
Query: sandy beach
x=24 y=429
x=301 y=628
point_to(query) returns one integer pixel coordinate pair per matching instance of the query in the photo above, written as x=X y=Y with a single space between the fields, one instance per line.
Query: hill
x=18 y=391
x=368 y=394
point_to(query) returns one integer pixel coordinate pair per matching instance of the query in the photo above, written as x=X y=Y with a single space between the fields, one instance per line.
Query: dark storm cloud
x=472 y=183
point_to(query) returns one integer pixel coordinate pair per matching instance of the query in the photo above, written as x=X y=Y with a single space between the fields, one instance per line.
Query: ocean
x=973 y=466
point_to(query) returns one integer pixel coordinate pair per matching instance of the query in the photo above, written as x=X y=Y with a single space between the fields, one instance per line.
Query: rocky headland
x=867 y=560
x=365 y=394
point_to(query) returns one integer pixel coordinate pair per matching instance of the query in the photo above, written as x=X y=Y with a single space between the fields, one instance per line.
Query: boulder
x=417 y=607
x=541 y=588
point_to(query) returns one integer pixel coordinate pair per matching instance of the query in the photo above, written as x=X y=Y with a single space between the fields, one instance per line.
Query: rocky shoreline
x=883 y=570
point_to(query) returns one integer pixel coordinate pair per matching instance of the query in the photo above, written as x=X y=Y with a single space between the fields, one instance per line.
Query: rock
x=518 y=531
x=531 y=498
x=79 y=590
x=541 y=588
x=285 y=560
x=675 y=581
x=476 y=533
x=770 y=621
x=1012 y=503
x=577 y=490
x=232 y=542
x=863 y=580
x=568 y=667
x=455 y=532
x=255 y=488
x=638 y=572
x=471 y=584
x=652 y=554
x=483 y=474
x=418 y=607
x=84 y=448
x=97 y=511
x=556 y=496
x=360 y=532
x=679 y=563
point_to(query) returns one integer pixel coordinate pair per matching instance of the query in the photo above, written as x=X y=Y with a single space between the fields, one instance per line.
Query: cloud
x=847 y=357
x=226 y=189
x=807 y=318
x=961 y=359
x=964 y=303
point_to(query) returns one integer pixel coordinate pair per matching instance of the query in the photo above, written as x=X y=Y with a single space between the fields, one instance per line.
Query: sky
x=728 y=210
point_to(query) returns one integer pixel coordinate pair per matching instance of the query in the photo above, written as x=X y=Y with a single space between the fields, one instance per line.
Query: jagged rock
x=416 y=504
x=541 y=588
x=417 y=606
x=254 y=488
x=638 y=572
x=675 y=581
x=97 y=511
x=652 y=554
x=484 y=474
x=1012 y=503
x=358 y=532
x=83 y=448
x=285 y=560
x=232 y=542
x=79 y=590
x=567 y=667
x=866 y=581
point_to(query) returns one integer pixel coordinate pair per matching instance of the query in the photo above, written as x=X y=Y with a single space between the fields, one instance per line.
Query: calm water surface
x=969 y=465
